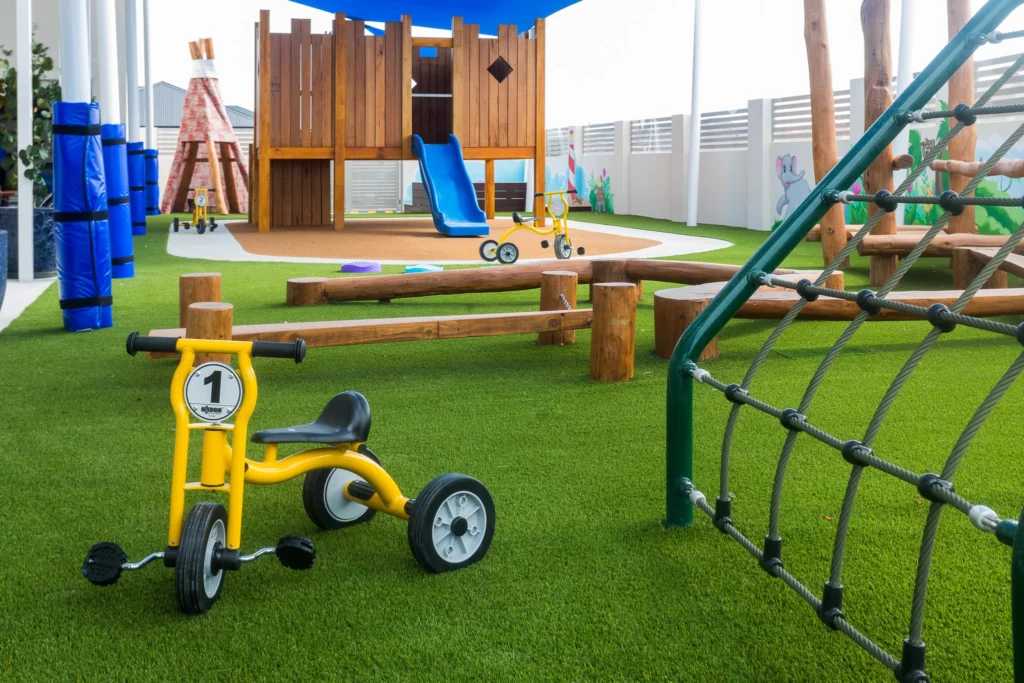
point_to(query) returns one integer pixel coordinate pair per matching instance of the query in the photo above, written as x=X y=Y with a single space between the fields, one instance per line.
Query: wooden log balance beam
x=968 y=262
x=815 y=234
x=773 y=303
x=312 y=291
x=942 y=245
x=1008 y=168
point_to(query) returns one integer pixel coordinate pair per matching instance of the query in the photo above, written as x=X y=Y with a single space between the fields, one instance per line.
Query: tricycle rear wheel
x=451 y=524
x=323 y=496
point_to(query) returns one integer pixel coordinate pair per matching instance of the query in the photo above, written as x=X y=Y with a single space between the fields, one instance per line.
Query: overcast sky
x=603 y=63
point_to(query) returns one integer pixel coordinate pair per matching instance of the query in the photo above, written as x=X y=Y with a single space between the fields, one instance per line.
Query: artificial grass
x=582 y=581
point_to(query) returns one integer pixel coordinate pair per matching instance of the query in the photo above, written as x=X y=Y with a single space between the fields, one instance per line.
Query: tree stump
x=674 y=310
x=209 y=321
x=613 y=337
x=306 y=291
x=612 y=270
x=966 y=269
x=554 y=284
x=196 y=287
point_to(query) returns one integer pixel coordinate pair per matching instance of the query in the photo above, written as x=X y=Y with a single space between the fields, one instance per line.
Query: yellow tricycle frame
x=225 y=466
x=559 y=224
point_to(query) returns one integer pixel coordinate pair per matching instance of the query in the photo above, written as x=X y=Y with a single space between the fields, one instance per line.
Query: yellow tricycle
x=556 y=206
x=451 y=522
x=200 y=215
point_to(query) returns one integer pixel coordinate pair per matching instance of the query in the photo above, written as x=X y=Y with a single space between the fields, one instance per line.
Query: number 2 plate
x=213 y=392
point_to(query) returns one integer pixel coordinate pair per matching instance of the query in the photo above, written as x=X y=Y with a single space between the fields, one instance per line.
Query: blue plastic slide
x=452 y=198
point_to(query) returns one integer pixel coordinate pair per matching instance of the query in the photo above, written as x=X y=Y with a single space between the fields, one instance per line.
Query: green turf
x=582 y=581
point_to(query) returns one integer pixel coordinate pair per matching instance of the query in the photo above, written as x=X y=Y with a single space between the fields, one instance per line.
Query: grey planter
x=45 y=260
x=3 y=271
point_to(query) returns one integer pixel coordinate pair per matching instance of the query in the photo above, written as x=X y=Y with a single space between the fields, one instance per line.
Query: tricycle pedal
x=296 y=552
x=103 y=563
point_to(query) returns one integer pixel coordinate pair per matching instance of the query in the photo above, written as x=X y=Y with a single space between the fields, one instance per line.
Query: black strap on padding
x=136 y=188
x=114 y=142
x=65 y=129
x=152 y=182
x=87 y=302
x=135 y=152
x=152 y=208
x=139 y=224
x=80 y=216
x=118 y=201
x=121 y=260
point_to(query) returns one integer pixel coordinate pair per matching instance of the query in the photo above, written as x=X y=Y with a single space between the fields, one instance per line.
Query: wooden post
x=196 y=288
x=215 y=178
x=961 y=91
x=823 y=122
x=554 y=284
x=672 y=315
x=489 y=188
x=306 y=291
x=209 y=321
x=874 y=20
x=228 y=164
x=966 y=269
x=263 y=126
x=613 y=270
x=459 y=71
x=539 y=161
x=613 y=335
x=406 y=86
x=339 y=121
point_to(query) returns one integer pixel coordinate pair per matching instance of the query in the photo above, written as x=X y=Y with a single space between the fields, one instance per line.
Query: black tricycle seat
x=345 y=419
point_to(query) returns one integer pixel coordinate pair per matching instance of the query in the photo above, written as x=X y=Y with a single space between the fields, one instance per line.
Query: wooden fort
x=323 y=99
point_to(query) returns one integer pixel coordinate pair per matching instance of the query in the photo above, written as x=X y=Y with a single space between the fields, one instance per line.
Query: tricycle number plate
x=213 y=392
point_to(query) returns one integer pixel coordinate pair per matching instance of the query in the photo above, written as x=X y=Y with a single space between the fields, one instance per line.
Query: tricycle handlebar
x=545 y=194
x=295 y=350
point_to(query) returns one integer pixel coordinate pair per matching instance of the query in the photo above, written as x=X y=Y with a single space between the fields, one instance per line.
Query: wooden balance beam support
x=613 y=340
x=555 y=284
x=815 y=234
x=774 y=303
x=196 y=287
x=968 y=262
x=311 y=291
x=942 y=245
x=209 y=320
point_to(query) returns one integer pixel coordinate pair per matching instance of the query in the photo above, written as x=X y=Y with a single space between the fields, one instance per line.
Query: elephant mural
x=794 y=186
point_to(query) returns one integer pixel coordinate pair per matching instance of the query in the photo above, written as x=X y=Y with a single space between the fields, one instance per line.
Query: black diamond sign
x=500 y=69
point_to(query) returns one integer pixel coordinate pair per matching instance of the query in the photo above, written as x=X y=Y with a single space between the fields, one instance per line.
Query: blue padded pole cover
x=137 y=187
x=152 y=182
x=80 y=214
x=115 y=170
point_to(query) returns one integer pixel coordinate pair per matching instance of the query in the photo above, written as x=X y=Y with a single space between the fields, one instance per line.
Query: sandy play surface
x=413 y=239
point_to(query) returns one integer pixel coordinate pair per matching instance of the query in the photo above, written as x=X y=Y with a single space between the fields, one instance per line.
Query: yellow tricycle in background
x=557 y=206
x=451 y=522
x=201 y=218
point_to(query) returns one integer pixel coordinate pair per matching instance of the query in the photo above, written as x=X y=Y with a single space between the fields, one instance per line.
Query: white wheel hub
x=212 y=577
x=337 y=505
x=459 y=525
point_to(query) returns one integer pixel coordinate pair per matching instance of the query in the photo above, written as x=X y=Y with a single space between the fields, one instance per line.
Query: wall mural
x=794 y=185
x=602 y=199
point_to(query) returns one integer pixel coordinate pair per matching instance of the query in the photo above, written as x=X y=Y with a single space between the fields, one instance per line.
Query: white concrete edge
x=20 y=296
x=221 y=245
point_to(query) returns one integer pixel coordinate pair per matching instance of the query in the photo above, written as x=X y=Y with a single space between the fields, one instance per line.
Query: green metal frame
x=679 y=417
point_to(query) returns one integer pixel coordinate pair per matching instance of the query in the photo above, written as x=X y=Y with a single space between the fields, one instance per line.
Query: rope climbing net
x=936 y=488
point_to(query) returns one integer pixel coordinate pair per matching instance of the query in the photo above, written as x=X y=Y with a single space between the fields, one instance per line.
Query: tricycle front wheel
x=197 y=578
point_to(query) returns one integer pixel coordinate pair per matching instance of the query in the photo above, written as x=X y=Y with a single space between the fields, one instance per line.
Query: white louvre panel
x=599 y=138
x=988 y=71
x=791 y=116
x=375 y=185
x=723 y=130
x=651 y=136
x=557 y=142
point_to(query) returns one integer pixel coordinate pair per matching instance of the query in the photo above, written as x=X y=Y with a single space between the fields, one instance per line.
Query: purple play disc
x=361 y=267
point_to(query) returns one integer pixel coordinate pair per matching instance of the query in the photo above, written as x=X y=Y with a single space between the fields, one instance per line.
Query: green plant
x=38 y=155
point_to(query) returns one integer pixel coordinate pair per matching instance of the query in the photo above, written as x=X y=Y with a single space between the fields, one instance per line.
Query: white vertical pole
x=26 y=204
x=74 y=51
x=131 y=30
x=122 y=63
x=905 y=71
x=150 y=126
x=694 y=170
x=108 y=96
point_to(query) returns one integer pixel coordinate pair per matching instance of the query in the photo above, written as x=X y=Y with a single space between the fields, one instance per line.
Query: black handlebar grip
x=136 y=342
x=541 y=194
x=296 y=349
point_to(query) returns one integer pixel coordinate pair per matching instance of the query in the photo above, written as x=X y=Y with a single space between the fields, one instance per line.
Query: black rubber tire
x=562 y=249
x=201 y=226
x=314 y=489
x=421 y=521
x=189 y=571
x=511 y=252
x=544 y=244
x=485 y=252
x=581 y=251
x=175 y=224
